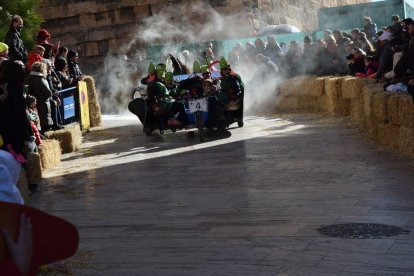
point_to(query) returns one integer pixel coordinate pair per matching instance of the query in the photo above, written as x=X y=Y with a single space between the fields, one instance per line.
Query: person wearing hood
x=17 y=50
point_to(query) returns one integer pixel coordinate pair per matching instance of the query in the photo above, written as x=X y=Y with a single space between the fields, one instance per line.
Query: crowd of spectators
x=29 y=85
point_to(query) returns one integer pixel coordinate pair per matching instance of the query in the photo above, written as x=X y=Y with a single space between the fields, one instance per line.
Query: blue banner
x=68 y=107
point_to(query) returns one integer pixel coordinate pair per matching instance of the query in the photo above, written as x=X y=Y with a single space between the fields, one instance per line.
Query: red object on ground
x=54 y=238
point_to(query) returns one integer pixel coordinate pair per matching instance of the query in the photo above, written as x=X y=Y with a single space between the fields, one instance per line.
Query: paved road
x=249 y=203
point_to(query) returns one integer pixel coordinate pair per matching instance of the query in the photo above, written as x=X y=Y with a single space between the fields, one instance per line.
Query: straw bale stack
x=302 y=86
x=287 y=103
x=94 y=107
x=337 y=105
x=368 y=92
x=387 y=134
x=379 y=106
x=393 y=106
x=70 y=138
x=352 y=87
x=22 y=185
x=309 y=104
x=406 y=140
x=34 y=167
x=406 y=110
x=50 y=154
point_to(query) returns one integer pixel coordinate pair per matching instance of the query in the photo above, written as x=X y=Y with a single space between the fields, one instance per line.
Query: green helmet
x=223 y=63
x=204 y=69
x=161 y=69
x=196 y=67
x=151 y=68
x=169 y=77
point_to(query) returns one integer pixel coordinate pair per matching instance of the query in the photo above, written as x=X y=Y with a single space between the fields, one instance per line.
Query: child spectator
x=34 y=56
x=34 y=118
x=371 y=68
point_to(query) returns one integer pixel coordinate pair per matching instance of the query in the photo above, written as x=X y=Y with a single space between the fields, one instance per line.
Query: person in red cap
x=43 y=39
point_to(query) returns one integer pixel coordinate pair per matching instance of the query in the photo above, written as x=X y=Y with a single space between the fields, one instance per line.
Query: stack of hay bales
x=50 y=154
x=371 y=124
x=70 y=137
x=304 y=94
x=352 y=90
x=94 y=107
x=287 y=100
x=405 y=123
x=336 y=103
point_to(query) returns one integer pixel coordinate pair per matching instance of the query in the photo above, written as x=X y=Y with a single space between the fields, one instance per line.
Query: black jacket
x=17 y=51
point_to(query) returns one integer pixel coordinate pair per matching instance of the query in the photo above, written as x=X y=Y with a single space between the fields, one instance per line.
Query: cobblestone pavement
x=248 y=203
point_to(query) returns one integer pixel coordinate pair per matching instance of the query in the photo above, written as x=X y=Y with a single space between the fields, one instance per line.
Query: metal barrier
x=68 y=106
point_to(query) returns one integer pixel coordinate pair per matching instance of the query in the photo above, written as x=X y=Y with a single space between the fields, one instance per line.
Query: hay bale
x=50 y=154
x=323 y=103
x=393 y=108
x=94 y=107
x=70 y=137
x=379 y=106
x=287 y=103
x=352 y=87
x=406 y=110
x=337 y=105
x=34 y=168
x=22 y=185
x=388 y=135
x=299 y=86
x=368 y=92
x=308 y=104
x=406 y=140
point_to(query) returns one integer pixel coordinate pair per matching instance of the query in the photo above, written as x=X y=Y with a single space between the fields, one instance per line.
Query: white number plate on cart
x=198 y=105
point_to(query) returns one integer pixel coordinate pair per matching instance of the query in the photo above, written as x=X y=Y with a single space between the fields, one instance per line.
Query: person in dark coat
x=74 y=70
x=15 y=126
x=370 y=28
x=17 y=50
x=39 y=88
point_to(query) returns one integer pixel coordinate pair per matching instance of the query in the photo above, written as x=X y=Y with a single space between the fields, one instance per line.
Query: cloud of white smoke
x=197 y=24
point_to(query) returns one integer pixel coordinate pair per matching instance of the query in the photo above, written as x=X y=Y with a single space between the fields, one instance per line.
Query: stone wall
x=96 y=28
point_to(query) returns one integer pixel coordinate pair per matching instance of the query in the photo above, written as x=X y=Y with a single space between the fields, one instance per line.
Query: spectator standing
x=39 y=88
x=74 y=70
x=396 y=27
x=273 y=50
x=17 y=50
x=370 y=28
x=354 y=38
x=364 y=44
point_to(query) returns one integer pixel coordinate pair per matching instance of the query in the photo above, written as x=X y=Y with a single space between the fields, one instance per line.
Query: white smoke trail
x=170 y=29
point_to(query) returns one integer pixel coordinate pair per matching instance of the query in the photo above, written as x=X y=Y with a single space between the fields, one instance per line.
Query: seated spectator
x=355 y=61
x=249 y=54
x=364 y=44
x=386 y=54
x=39 y=88
x=34 y=118
x=370 y=28
x=292 y=65
x=34 y=56
x=354 y=37
x=266 y=67
x=74 y=70
x=371 y=68
x=327 y=33
x=339 y=38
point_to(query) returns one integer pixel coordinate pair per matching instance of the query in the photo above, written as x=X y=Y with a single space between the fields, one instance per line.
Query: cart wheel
x=148 y=131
